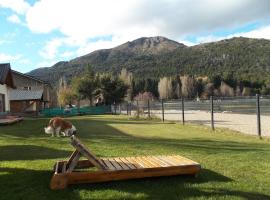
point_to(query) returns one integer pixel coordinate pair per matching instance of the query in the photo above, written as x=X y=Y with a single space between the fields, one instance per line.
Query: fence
x=98 y=110
x=250 y=115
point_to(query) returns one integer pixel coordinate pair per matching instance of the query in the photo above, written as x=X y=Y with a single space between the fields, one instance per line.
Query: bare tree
x=165 y=88
x=127 y=78
x=246 y=91
x=226 y=90
x=188 y=86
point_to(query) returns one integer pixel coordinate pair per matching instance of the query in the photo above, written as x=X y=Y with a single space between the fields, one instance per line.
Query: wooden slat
x=174 y=160
x=147 y=160
x=108 y=164
x=134 y=162
x=171 y=160
x=156 y=163
x=56 y=170
x=143 y=162
x=130 y=165
x=74 y=153
x=87 y=153
x=120 y=162
x=64 y=165
x=181 y=160
x=74 y=162
x=161 y=161
x=115 y=164
x=165 y=160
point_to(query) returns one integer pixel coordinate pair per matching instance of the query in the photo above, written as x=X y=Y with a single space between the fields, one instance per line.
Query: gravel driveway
x=244 y=123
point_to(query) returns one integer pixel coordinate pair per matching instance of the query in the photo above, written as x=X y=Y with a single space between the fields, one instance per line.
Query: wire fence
x=249 y=115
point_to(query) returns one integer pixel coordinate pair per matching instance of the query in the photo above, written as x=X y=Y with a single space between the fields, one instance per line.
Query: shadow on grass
x=34 y=184
x=29 y=152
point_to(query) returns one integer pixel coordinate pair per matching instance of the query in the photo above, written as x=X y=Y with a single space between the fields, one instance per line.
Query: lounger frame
x=119 y=168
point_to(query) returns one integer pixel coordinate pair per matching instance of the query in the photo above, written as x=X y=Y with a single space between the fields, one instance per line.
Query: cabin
x=31 y=94
x=6 y=84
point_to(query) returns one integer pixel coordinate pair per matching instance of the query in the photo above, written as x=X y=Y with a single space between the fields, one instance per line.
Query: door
x=2 y=103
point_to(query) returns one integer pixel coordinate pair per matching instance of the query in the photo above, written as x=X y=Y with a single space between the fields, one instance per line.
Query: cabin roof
x=5 y=74
x=30 y=77
x=20 y=95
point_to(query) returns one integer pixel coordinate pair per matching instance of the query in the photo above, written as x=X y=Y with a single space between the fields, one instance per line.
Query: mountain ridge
x=159 y=56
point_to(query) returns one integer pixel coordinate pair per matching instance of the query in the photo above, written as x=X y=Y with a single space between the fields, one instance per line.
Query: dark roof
x=19 y=95
x=31 y=77
x=5 y=74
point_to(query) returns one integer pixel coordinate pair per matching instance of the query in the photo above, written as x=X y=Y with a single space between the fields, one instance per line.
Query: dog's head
x=48 y=130
x=70 y=132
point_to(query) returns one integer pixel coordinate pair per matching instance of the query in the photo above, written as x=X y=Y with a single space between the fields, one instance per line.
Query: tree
x=112 y=88
x=127 y=78
x=188 y=86
x=226 y=90
x=65 y=96
x=87 y=85
x=165 y=88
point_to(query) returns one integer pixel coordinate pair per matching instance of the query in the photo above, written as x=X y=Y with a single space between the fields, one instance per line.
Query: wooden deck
x=10 y=120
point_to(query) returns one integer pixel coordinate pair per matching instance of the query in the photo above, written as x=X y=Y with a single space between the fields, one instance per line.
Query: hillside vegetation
x=238 y=59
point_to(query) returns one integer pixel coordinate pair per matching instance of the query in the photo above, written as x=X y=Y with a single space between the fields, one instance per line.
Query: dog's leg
x=53 y=133
x=58 y=130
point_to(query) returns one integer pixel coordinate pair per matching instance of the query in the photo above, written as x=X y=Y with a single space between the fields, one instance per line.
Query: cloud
x=14 y=19
x=9 y=58
x=80 y=20
x=18 y=6
x=173 y=18
x=262 y=32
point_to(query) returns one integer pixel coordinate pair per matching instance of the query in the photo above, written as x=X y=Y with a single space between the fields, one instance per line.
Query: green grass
x=235 y=166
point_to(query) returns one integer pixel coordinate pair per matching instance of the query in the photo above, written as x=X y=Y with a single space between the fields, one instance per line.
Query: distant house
x=31 y=94
x=6 y=84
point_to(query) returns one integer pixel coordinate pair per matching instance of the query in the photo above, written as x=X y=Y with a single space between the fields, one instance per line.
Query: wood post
x=212 y=112
x=138 y=110
x=127 y=108
x=183 y=111
x=120 y=109
x=148 y=106
x=162 y=107
x=258 y=109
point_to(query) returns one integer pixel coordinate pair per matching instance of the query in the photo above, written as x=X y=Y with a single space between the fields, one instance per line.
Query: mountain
x=154 y=57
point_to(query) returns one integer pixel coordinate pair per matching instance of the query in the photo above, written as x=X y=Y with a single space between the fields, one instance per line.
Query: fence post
x=148 y=106
x=162 y=106
x=127 y=108
x=183 y=111
x=137 y=103
x=258 y=115
x=212 y=112
x=120 y=109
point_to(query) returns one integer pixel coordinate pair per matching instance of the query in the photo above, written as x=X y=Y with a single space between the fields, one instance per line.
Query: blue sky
x=40 y=33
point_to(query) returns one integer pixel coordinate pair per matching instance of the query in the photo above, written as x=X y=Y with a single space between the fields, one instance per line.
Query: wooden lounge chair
x=112 y=169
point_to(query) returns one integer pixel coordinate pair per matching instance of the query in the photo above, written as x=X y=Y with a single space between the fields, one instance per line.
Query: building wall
x=4 y=90
x=25 y=106
x=23 y=82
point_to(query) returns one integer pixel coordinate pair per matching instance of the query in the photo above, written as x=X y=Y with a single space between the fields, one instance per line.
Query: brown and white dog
x=58 y=125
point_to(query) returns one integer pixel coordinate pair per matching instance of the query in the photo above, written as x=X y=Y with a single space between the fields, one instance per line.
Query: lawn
x=234 y=166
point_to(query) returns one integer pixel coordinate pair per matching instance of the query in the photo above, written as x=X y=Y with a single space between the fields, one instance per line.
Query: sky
x=41 y=33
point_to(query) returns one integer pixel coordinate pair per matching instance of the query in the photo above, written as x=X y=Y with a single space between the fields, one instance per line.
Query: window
x=27 y=88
